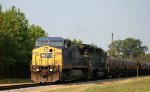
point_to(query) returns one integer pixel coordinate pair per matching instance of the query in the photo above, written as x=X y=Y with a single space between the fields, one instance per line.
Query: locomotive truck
x=57 y=59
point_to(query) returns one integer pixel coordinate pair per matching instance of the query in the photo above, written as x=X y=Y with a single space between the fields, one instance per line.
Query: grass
x=66 y=89
x=126 y=85
x=136 y=86
x=6 y=81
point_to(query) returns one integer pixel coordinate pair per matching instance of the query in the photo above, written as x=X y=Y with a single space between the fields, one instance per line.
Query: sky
x=92 y=21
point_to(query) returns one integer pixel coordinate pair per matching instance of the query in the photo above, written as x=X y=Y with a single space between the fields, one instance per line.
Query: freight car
x=57 y=59
x=118 y=67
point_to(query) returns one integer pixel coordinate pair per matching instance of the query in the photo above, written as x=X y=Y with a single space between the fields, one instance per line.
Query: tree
x=76 y=41
x=0 y=8
x=17 y=40
x=128 y=48
x=146 y=57
x=80 y=42
x=35 y=32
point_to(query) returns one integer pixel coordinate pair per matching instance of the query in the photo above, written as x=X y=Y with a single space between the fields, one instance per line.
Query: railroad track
x=28 y=85
x=10 y=87
x=19 y=86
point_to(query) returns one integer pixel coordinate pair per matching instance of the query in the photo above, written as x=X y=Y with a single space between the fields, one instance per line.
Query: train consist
x=57 y=59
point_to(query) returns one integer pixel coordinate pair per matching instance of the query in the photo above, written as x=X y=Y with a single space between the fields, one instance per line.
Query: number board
x=46 y=55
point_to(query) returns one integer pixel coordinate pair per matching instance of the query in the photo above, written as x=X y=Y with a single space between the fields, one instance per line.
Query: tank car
x=121 y=67
x=118 y=67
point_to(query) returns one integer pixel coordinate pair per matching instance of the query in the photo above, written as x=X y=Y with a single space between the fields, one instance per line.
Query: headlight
x=37 y=70
x=50 y=69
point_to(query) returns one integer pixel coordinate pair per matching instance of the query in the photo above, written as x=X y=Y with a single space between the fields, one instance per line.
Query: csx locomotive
x=57 y=59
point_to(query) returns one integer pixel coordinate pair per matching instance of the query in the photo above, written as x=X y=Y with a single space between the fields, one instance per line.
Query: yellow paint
x=56 y=58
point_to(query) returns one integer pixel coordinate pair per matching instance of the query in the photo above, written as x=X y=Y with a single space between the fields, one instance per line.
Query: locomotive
x=57 y=59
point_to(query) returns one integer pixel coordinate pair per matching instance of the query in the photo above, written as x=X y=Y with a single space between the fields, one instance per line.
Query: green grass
x=134 y=85
x=67 y=89
x=6 y=81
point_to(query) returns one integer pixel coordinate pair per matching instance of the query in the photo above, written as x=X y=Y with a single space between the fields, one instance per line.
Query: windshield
x=49 y=43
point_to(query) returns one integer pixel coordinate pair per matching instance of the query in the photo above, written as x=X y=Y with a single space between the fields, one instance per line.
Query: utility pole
x=114 y=47
x=112 y=38
x=112 y=34
x=137 y=70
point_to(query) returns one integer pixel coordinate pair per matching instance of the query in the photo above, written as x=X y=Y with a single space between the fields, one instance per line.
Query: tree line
x=129 y=48
x=76 y=41
x=17 y=39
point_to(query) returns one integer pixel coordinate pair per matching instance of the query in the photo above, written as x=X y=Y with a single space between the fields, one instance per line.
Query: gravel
x=29 y=89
